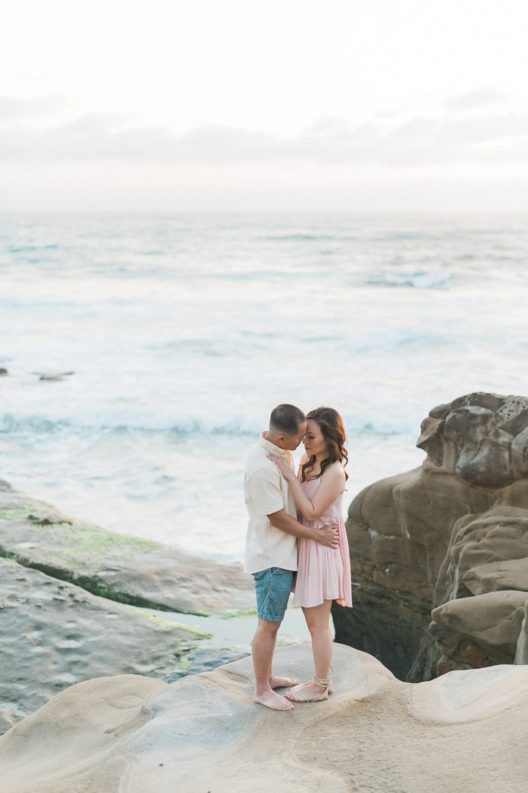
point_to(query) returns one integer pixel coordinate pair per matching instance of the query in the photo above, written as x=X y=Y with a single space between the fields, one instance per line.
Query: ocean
x=183 y=331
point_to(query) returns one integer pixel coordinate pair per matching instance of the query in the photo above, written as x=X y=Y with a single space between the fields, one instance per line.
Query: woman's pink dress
x=323 y=573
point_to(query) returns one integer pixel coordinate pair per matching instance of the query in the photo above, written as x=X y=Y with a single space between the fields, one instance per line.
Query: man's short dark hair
x=285 y=420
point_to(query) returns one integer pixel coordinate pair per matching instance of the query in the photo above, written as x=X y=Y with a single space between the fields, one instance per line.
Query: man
x=271 y=552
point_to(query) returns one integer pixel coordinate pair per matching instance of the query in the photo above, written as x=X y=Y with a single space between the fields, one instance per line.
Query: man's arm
x=327 y=535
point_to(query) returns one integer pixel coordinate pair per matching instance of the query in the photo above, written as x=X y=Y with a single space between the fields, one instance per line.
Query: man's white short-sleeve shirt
x=266 y=491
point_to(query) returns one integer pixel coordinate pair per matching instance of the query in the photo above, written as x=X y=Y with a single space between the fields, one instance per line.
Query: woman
x=323 y=573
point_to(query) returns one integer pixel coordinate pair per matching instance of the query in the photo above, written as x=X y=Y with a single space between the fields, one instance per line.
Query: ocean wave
x=249 y=275
x=40 y=425
x=414 y=280
x=207 y=347
x=36 y=425
x=323 y=339
x=299 y=238
x=32 y=248
x=30 y=426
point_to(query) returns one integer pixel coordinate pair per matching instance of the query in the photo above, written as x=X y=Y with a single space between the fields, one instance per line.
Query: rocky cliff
x=440 y=554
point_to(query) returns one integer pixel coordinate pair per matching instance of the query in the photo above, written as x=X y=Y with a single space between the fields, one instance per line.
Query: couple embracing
x=296 y=540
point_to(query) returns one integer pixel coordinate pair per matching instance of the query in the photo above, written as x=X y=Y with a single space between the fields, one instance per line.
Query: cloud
x=488 y=138
x=472 y=100
x=17 y=108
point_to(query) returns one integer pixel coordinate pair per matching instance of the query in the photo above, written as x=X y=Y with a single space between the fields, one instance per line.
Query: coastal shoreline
x=89 y=602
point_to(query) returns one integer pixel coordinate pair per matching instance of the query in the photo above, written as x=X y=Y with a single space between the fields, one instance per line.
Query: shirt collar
x=271 y=447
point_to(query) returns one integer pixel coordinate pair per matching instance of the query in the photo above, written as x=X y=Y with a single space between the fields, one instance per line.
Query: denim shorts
x=273 y=587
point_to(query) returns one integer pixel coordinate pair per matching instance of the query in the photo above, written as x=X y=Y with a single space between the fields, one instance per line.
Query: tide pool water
x=183 y=331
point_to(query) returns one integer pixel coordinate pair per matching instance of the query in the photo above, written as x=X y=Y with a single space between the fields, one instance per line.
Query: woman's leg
x=318 y=622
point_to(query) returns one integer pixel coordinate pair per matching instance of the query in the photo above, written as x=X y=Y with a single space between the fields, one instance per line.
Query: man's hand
x=327 y=535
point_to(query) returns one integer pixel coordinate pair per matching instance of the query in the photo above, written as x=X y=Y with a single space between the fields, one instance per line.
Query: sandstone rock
x=466 y=731
x=398 y=533
x=54 y=634
x=492 y=621
x=474 y=436
x=124 y=568
x=521 y=653
x=510 y=574
x=7 y=718
x=499 y=534
x=456 y=527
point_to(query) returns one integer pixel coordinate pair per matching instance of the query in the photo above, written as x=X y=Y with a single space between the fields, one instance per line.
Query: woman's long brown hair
x=331 y=425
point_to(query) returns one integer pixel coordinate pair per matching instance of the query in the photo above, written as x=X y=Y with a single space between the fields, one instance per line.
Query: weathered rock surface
x=478 y=546
x=53 y=375
x=493 y=620
x=53 y=634
x=465 y=731
x=456 y=528
x=124 y=568
x=521 y=654
x=483 y=438
x=511 y=574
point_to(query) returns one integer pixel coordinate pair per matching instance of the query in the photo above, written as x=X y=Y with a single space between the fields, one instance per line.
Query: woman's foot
x=270 y=699
x=282 y=682
x=315 y=690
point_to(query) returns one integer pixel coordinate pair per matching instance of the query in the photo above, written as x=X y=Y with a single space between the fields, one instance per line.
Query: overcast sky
x=233 y=104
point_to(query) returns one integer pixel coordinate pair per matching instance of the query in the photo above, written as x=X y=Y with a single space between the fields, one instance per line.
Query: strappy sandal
x=295 y=693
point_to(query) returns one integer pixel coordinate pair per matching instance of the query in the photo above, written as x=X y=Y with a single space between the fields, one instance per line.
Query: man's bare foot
x=282 y=682
x=272 y=700
x=308 y=692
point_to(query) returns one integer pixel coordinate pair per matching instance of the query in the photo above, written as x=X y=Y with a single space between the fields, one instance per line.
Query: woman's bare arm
x=331 y=486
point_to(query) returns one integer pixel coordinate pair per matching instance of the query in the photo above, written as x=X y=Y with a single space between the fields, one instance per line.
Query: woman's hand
x=283 y=466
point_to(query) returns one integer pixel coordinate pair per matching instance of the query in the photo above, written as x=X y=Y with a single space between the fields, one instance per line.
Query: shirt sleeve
x=264 y=491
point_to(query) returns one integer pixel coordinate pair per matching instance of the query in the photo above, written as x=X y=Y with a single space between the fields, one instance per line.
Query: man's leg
x=273 y=587
x=262 y=650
